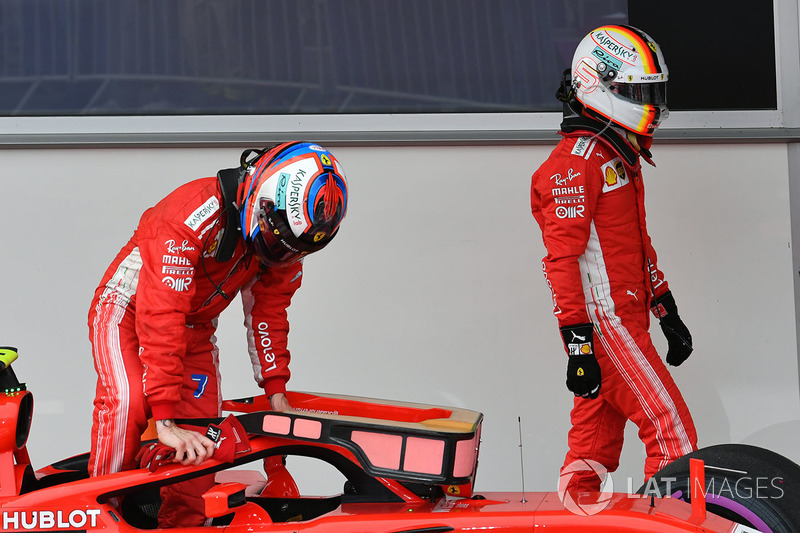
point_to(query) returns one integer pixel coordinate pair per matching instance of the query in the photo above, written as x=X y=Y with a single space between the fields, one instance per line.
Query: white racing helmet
x=293 y=197
x=619 y=73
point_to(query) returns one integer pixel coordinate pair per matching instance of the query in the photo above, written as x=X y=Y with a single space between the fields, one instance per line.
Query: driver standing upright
x=588 y=199
x=154 y=315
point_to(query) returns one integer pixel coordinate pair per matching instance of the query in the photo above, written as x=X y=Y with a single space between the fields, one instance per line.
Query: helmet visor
x=271 y=242
x=276 y=244
x=642 y=93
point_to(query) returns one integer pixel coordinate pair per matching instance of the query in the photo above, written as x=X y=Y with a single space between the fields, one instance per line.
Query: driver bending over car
x=153 y=317
x=588 y=199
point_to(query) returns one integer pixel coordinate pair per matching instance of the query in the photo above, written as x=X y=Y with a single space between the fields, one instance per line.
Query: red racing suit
x=588 y=199
x=152 y=326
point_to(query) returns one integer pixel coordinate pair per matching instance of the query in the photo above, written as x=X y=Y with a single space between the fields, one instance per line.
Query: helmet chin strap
x=641 y=144
x=633 y=139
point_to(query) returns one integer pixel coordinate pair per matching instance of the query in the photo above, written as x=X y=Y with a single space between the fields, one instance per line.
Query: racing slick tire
x=745 y=484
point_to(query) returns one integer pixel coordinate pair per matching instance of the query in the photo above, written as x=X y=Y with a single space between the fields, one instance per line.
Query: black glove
x=583 y=372
x=678 y=337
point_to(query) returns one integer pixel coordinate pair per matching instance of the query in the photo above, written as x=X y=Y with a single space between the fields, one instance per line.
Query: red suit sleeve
x=169 y=254
x=658 y=283
x=564 y=192
x=266 y=300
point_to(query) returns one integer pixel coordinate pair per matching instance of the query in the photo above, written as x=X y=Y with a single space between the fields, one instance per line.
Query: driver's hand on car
x=190 y=446
x=278 y=402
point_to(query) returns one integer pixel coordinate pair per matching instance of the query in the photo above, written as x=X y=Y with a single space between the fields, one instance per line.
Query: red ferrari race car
x=409 y=468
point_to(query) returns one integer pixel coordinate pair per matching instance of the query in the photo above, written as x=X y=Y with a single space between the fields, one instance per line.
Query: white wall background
x=432 y=292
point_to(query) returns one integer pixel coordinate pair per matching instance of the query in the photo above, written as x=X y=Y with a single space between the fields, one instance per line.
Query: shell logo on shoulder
x=614 y=175
x=611 y=177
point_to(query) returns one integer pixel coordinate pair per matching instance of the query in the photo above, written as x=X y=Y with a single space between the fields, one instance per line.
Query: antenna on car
x=521 y=462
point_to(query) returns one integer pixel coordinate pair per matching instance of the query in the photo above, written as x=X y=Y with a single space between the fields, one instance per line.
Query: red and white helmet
x=293 y=197
x=619 y=73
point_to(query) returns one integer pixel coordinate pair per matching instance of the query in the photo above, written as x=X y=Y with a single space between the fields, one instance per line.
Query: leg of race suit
x=645 y=393
x=182 y=503
x=597 y=433
x=120 y=412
